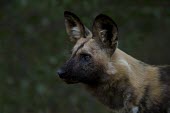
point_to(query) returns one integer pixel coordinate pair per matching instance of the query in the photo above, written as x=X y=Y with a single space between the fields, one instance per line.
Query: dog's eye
x=85 y=57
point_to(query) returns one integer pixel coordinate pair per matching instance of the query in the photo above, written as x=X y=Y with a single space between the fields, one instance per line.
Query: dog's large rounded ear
x=105 y=31
x=75 y=27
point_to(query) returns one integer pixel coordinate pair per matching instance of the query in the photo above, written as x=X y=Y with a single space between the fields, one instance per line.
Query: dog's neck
x=113 y=97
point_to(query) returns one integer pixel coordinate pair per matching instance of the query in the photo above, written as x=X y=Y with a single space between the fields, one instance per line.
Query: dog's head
x=92 y=50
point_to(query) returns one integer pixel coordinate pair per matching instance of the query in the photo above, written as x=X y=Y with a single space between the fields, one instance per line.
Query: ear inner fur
x=105 y=32
x=73 y=23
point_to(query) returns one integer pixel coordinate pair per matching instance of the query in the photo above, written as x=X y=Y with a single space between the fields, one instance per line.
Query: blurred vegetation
x=33 y=43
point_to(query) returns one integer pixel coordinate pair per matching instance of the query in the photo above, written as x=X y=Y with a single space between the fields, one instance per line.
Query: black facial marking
x=81 y=45
x=82 y=68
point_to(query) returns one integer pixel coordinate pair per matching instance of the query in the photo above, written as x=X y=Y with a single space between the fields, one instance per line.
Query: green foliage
x=33 y=43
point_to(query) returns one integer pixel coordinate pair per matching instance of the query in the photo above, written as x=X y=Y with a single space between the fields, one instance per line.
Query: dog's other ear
x=105 y=32
x=74 y=27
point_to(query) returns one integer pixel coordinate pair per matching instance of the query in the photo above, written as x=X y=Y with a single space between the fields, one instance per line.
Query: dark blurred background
x=34 y=43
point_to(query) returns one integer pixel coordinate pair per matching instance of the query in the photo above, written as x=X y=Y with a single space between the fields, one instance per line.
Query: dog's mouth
x=70 y=81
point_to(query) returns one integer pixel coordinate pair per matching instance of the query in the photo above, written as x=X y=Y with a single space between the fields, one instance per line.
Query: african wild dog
x=119 y=81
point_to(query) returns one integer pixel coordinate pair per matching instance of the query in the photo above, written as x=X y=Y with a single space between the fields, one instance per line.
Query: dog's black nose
x=61 y=73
